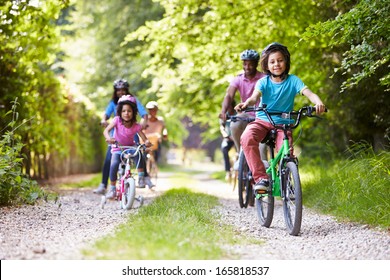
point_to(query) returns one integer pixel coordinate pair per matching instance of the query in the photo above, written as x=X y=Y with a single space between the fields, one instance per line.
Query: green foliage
x=356 y=189
x=97 y=32
x=62 y=127
x=184 y=53
x=15 y=187
x=194 y=49
x=28 y=54
x=365 y=30
x=356 y=44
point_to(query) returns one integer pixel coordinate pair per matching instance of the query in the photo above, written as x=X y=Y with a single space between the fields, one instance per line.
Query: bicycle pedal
x=261 y=192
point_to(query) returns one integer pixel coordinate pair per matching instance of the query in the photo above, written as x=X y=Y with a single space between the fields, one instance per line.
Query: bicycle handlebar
x=306 y=111
x=235 y=118
x=131 y=148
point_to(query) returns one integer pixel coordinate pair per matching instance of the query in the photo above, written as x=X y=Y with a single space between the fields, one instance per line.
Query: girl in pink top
x=126 y=127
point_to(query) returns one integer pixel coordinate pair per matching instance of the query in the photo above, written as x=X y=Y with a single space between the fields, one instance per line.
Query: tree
x=365 y=30
x=359 y=39
x=96 y=55
x=194 y=49
x=30 y=52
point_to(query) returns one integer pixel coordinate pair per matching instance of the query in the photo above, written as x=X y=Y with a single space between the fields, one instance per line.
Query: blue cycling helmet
x=121 y=83
x=271 y=48
x=250 y=55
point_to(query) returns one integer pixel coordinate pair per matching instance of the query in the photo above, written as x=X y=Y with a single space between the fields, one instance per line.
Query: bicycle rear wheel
x=292 y=198
x=245 y=191
x=265 y=206
x=129 y=194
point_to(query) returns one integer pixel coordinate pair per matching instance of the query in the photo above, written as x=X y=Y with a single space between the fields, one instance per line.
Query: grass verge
x=180 y=224
x=356 y=189
x=93 y=181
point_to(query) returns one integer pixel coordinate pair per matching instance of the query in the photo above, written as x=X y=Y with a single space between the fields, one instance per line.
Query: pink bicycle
x=125 y=187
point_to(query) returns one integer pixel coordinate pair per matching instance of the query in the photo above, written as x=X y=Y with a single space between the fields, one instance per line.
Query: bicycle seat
x=270 y=137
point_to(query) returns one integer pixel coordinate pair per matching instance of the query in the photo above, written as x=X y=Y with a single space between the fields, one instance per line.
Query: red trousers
x=253 y=134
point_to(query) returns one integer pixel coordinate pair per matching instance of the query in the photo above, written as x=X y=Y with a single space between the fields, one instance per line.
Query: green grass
x=356 y=189
x=94 y=181
x=177 y=225
x=219 y=175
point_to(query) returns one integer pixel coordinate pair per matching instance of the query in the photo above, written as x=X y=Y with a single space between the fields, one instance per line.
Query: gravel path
x=61 y=230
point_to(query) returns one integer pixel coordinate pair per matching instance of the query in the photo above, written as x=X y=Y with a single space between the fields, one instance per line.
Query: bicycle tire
x=292 y=198
x=129 y=194
x=265 y=205
x=244 y=182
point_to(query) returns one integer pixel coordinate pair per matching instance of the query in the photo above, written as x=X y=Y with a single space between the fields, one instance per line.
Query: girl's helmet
x=271 y=48
x=129 y=100
x=121 y=83
x=250 y=55
x=126 y=99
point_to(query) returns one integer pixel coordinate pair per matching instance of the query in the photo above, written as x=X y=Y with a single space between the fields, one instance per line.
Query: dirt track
x=60 y=230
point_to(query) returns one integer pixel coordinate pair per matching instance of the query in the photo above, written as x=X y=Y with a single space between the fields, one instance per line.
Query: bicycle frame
x=273 y=163
x=284 y=152
x=128 y=156
x=128 y=152
x=127 y=174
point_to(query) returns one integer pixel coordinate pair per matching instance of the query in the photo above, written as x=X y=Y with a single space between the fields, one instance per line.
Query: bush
x=15 y=187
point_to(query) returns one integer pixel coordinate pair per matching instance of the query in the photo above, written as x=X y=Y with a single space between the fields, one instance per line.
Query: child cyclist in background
x=278 y=91
x=126 y=127
x=121 y=87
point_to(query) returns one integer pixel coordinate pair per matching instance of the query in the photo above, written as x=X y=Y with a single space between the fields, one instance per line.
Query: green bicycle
x=283 y=173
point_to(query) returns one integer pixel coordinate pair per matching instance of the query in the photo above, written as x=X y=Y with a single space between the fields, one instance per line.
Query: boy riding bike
x=278 y=91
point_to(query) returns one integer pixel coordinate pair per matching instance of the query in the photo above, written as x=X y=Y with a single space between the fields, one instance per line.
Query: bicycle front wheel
x=292 y=198
x=265 y=206
x=129 y=194
x=244 y=182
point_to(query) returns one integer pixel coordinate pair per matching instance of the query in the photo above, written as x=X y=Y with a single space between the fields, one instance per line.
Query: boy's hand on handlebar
x=320 y=108
x=239 y=107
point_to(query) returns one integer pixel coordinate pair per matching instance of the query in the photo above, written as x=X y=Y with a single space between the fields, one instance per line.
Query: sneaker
x=141 y=182
x=261 y=186
x=149 y=182
x=112 y=193
x=101 y=189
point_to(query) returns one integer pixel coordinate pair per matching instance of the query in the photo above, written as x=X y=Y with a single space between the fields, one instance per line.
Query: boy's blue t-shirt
x=279 y=97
